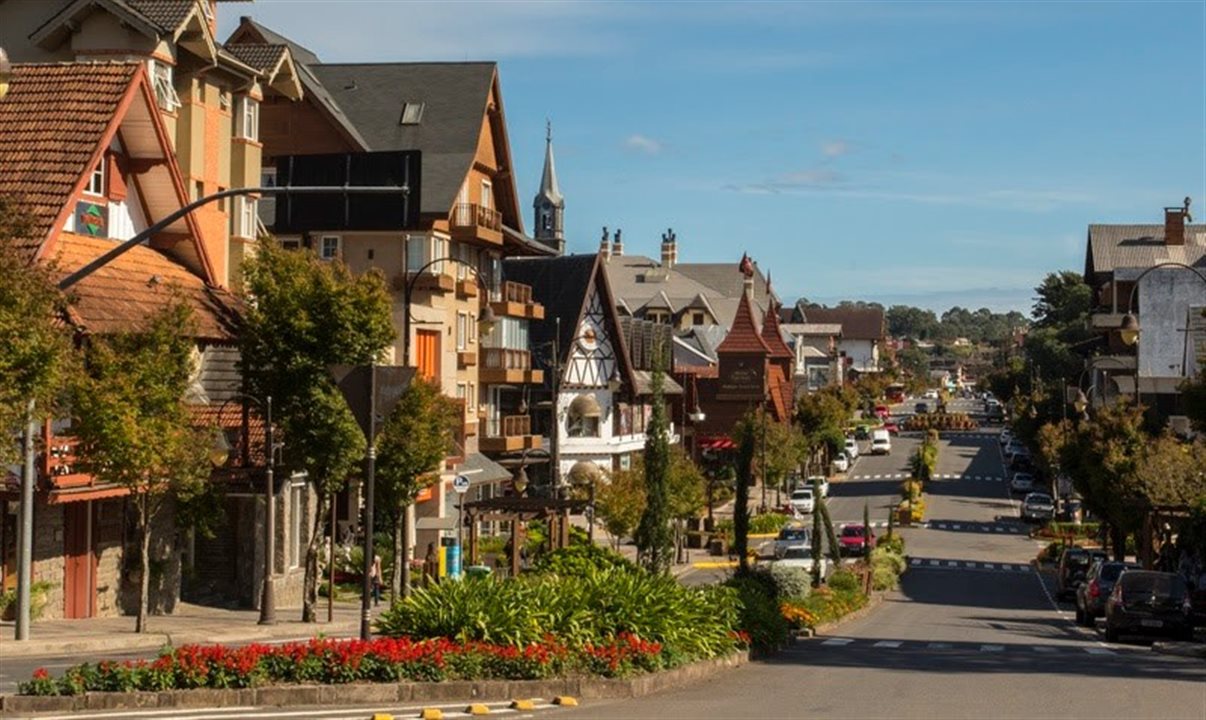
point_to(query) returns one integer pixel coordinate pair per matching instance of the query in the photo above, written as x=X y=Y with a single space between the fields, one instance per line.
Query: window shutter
x=115 y=169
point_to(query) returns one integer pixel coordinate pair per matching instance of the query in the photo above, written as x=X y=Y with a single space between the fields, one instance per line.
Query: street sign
x=460 y=483
x=385 y=383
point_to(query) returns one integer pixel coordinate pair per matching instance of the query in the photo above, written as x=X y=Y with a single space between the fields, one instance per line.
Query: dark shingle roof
x=301 y=54
x=454 y=97
x=744 y=336
x=262 y=57
x=857 y=323
x=558 y=283
x=168 y=15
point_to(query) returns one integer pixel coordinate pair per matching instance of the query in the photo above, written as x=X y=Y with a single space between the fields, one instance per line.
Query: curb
x=588 y=688
x=873 y=601
x=153 y=641
x=1182 y=649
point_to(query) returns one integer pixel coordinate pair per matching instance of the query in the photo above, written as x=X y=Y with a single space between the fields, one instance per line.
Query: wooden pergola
x=518 y=510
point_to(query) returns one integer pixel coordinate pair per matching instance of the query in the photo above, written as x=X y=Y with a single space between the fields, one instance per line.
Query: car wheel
x=1111 y=633
x=1080 y=616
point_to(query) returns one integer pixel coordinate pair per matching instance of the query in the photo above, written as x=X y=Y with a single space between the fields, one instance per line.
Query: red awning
x=717 y=443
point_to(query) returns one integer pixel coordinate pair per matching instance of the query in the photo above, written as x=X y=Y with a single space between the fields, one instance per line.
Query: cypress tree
x=654 y=537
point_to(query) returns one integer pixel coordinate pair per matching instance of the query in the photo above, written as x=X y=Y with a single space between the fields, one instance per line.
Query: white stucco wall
x=1165 y=297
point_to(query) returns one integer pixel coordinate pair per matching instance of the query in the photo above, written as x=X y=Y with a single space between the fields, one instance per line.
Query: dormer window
x=412 y=113
x=165 y=90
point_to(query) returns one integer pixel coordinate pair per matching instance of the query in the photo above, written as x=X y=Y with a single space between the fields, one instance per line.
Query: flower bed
x=940 y=421
x=327 y=661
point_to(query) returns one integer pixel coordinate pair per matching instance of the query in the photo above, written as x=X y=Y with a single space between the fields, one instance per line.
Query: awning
x=585 y=406
x=716 y=443
x=481 y=469
x=585 y=472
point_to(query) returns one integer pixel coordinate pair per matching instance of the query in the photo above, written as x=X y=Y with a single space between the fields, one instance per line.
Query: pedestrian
x=431 y=565
x=375 y=577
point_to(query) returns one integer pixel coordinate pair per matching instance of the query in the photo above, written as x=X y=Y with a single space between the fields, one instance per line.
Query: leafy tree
x=1063 y=300
x=621 y=502
x=413 y=444
x=1051 y=440
x=686 y=490
x=37 y=356
x=822 y=417
x=781 y=445
x=302 y=316
x=133 y=426
x=905 y=321
x=1170 y=472
x=653 y=535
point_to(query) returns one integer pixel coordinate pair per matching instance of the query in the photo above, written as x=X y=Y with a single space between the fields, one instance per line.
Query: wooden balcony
x=466 y=359
x=513 y=367
x=60 y=476
x=429 y=280
x=466 y=288
x=508 y=434
x=470 y=221
x=515 y=300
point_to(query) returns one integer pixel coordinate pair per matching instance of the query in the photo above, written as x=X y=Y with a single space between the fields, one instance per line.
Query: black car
x=1099 y=582
x=1149 y=603
x=1074 y=563
x=921 y=408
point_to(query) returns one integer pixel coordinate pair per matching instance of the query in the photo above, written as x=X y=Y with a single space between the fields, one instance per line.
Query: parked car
x=852 y=448
x=1038 y=507
x=821 y=484
x=1099 y=582
x=881 y=442
x=853 y=537
x=892 y=428
x=792 y=537
x=803 y=501
x=841 y=463
x=1006 y=437
x=1149 y=603
x=800 y=557
x=921 y=408
x=862 y=432
x=1021 y=462
x=1074 y=563
x=1022 y=482
x=931 y=394
x=882 y=412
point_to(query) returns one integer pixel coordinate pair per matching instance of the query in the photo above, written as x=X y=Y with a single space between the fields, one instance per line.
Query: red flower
x=41 y=674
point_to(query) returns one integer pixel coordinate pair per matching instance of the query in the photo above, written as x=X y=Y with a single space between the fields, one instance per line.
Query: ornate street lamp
x=6 y=73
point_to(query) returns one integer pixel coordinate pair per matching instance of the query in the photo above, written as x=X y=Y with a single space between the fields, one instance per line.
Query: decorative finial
x=605 y=234
x=548 y=130
x=746 y=267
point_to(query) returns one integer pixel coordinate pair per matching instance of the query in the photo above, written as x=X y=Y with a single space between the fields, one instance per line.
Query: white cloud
x=835 y=148
x=642 y=144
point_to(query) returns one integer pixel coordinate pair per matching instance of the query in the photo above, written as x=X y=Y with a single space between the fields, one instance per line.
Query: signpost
x=461 y=485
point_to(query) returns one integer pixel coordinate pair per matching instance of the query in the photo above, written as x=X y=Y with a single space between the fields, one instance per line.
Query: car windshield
x=1038 y=500
x=1150 y=583
x=1078 y=558
x=852 y=531
x=798 y=553
x=1111 y=571
x=801 y=494
x=793 y=534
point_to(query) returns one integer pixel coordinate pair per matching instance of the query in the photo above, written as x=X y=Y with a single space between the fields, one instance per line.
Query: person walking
x=375 y=577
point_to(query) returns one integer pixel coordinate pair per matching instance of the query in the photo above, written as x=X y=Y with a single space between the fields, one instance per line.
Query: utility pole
x=555 y=427
x=25 y=545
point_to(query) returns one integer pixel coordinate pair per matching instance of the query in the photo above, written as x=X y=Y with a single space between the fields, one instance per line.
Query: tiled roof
x=51 y=124
x=743 y=336
x=167 y=15
x=857 y=323
x=637 y=279
x=262 y=57
x=1141 y=246
x=229 y=417
x=773 y=335
x=780 y=391
x=120 y=296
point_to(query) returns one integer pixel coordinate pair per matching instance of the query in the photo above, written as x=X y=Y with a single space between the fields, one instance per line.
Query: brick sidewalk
x=189 y=624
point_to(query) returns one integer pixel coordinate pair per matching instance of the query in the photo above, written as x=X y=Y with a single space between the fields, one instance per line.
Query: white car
x=791 y=538
x=881 y=442
x=852 y=448
x=841 y=463
x=931 y=394
x=1006 y=437
x=803 y=502
x=1022 y=482
x=821 y=483
x=799 y=557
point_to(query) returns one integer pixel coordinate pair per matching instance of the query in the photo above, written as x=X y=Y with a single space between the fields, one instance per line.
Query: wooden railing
x=474 y=215
x=517 y=293
x=506 y=359
x=510 y=426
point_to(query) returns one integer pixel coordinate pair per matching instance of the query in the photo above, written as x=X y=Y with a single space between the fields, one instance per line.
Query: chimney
x=617 y=246
x=669 y=250
x=604 y=247
x=1174 y=224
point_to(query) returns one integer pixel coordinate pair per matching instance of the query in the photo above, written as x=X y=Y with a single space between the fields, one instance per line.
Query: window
x=508 y=332
x=328 y=249
x=422 y=249
x=467 y=255
x=472 y=396
x=584 y=414
x=268 y=177
x=697 y=318
x=487 y=194
x=198 y=189
x=295 y=524
x=291 y=243
x=247 y=123
x=412 y=113
x=96 y=181
x=462 y=392
x=243 y=222
x=462 y=330
x=165 y=91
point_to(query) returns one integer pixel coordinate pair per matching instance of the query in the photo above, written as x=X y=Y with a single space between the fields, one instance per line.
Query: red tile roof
x=52 y=123
x=121 y=295
x=229 y=417
x=743 y=337
x=772 y=335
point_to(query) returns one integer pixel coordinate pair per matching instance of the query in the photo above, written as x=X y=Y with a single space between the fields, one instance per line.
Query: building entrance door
x=79 y=553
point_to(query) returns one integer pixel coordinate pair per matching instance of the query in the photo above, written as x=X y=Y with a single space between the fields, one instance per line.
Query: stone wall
x=48 y=561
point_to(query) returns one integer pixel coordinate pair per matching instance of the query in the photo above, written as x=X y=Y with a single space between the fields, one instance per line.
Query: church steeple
x=549 y=203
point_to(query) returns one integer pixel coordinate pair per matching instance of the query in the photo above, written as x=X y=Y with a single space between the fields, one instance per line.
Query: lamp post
x=485 y=318
x=220 y=455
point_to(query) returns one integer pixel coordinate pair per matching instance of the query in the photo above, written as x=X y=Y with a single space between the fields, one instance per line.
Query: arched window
x=584 y=416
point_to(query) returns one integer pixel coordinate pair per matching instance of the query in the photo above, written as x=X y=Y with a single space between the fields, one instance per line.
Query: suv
x=1038 y=507
x=1074 y=563
x=803 y=501
x=921 y=408
x=792 y=537
x=1092 y=594
x=851 y=448
x=1150 y=603
x=821 y=484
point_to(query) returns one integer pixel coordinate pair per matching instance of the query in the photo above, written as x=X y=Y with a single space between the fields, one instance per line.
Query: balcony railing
x=506 y=359
x=472 y=215
x=510 y=426
x=517 y=292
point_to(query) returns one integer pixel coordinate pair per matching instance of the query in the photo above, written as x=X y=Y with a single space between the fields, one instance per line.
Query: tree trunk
x=1118 y=540
x=405 y=549
x=310 y=580
x=144 y=559
x=397 y=520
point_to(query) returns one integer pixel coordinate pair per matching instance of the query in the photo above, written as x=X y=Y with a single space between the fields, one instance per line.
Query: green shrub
x=791 y=582
x=844 y=581
x=884 y=557
x=767 y=523
x=759 y=612
x=884 y=577
x=578 y=560
x=891 y=542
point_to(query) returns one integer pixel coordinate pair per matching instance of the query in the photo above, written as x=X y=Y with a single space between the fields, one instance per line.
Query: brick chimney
x=1174 y=224
x=617 y=245
x=669 y=249
x=604 y=246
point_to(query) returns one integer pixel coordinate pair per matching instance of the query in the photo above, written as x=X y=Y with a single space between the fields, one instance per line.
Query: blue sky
x=927 y=153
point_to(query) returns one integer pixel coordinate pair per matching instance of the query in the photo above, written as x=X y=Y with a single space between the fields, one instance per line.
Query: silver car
x=792 y=537
x=1038 y=507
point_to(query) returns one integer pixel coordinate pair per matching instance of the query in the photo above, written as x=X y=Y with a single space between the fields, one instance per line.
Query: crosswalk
x=994 y=648
x=937 y=476
x=970 y=527
x=943 y=564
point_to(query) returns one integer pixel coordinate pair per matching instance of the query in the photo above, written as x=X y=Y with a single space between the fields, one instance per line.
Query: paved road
x=972 y=633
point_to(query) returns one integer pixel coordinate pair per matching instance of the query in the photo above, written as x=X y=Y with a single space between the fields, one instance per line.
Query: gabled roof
x=659 y=302
x=301 y=54
x=273 y=62
x=857 y=323
x=743 y=336
x=1140 y=246
x=773 y=336
x=151 y=18
x=636 y=279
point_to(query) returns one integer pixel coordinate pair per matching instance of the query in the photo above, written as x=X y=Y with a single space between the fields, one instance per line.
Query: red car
x=892 y=428
x=882 y=412
x=851 y=539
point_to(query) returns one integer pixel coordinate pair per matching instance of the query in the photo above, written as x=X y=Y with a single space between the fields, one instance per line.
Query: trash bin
x=477 y=571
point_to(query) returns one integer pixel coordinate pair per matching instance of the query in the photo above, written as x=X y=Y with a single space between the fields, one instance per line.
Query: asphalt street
x=972 y=632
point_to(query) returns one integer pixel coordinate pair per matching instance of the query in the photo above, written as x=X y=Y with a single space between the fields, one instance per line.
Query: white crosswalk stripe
x=992 y=648
x=838 y=641
x=1099 y=651
x=887 y=644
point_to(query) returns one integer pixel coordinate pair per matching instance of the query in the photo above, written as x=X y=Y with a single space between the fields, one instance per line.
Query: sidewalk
x=189 y=624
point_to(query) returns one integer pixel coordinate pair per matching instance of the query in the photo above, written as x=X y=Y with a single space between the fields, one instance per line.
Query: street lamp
x=1129 y=329
x=219 y=455
x=6 y=73
x=485 y=318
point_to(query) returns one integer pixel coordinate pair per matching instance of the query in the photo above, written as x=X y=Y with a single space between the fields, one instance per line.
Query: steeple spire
x=549 y=203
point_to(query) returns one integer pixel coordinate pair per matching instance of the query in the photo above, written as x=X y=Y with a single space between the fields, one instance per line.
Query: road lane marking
x=1099 y=651
x=887 y=644
x=1043 y=649
x=837 y=641
x=971 y=565
x=954 y=527
x=934 y=563
x=939 y=646
x=992 y=648
x=989 y=566
x=952 y=563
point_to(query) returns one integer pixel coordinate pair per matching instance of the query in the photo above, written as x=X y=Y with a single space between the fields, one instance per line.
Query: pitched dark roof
x=773 y=336
x=857 y=323
x=166 y=14
x=454 y=96
x=261 y=56
x=1141 y=246
x=301 y=54
x=558 y=283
